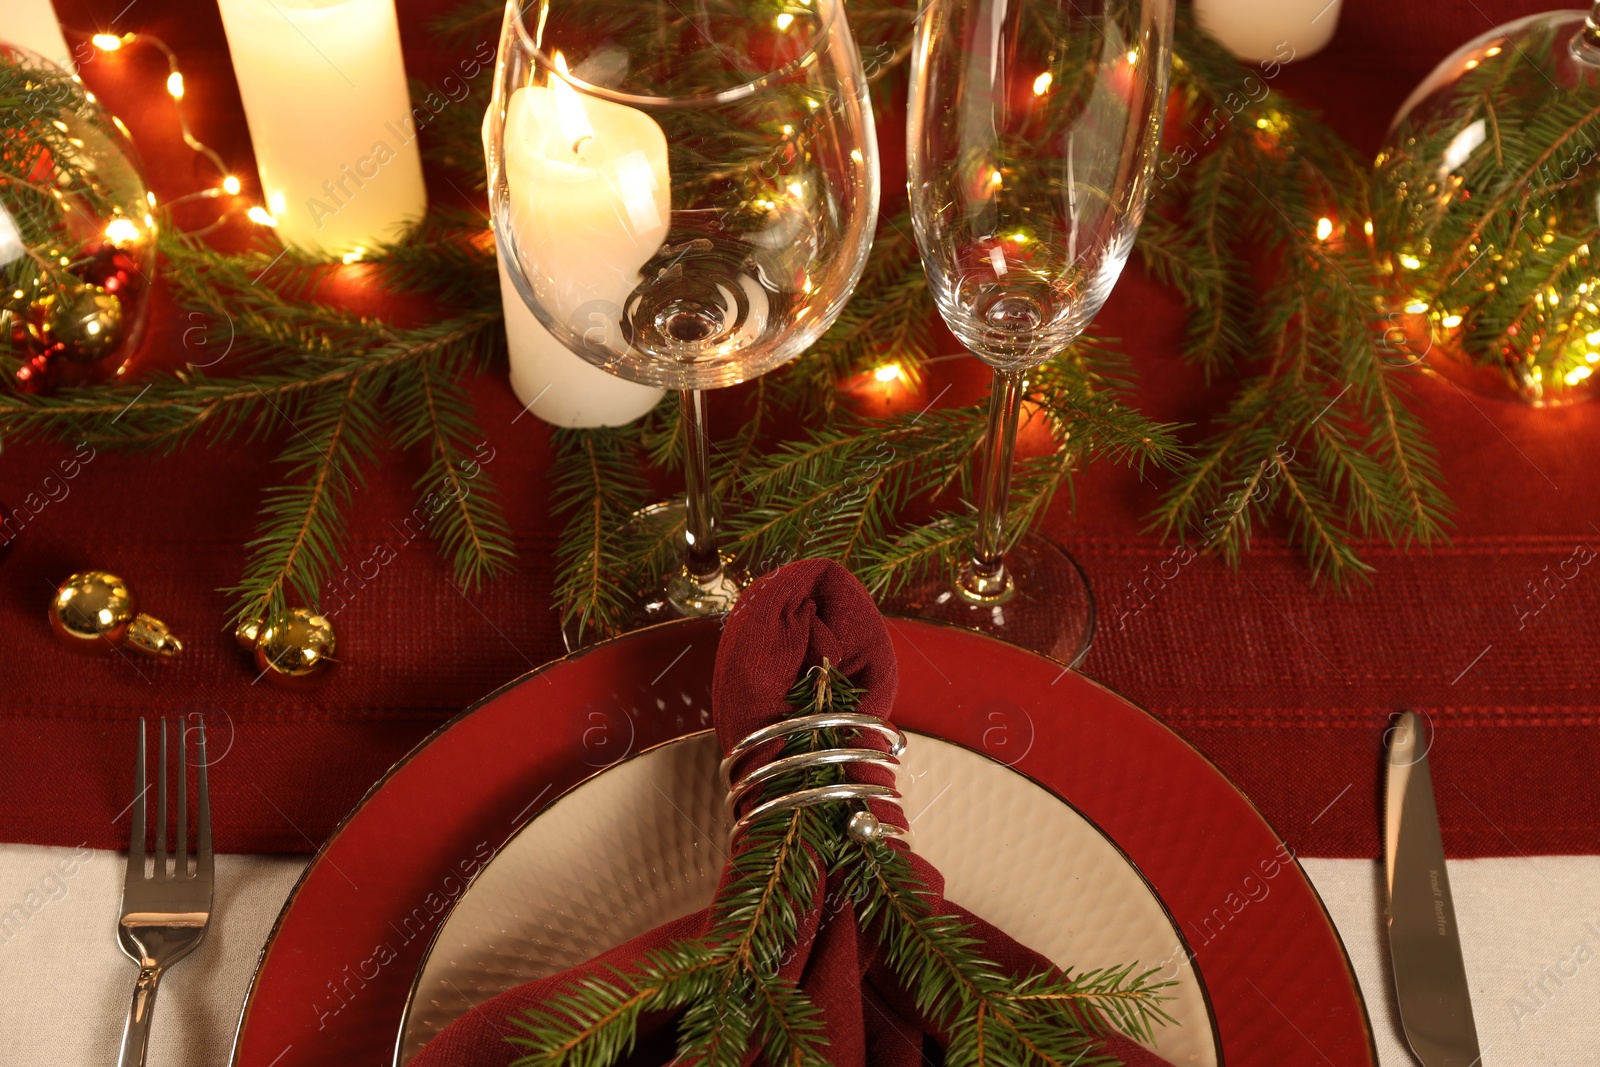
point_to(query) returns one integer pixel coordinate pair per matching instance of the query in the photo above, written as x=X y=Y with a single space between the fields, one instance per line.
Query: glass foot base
x=1046 y=606
x=679 y=595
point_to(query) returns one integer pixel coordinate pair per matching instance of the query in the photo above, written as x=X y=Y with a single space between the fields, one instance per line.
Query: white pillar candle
x=557 y=384
x=590 y=201
x=1261 y=30
x=32 y=24
x=324 y=91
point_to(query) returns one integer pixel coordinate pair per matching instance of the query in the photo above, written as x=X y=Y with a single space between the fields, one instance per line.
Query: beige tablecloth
x=1532 y=927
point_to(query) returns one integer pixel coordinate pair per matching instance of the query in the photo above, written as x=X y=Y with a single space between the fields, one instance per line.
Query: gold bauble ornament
x=95 y=611
x=292 y=652
x=247 y=633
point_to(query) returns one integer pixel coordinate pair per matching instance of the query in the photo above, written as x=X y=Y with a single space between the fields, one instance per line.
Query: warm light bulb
x=1450 y=322
x=1133 y=57
x=784 y=21
x=258 y=215
x=230 y=185
x=889 y=372
x=1324 y=228
x=1493 y=51
x=1366 y=227
x=1041 y=84
x=175 y=85
x=1576 y=375
x=1409 y=262
x=121 y=231
x=1416 y=307
x=107 y=42
x=354 y=256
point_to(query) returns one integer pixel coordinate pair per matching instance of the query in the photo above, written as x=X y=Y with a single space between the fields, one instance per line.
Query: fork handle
x=136 y=1034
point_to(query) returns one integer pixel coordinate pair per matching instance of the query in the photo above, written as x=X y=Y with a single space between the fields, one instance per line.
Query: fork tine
x=161 y=808
x=202 y=845
x=181 y=867
x=137 y=826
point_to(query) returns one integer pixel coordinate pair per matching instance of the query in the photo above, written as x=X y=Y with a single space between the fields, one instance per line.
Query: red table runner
x=1288 y=689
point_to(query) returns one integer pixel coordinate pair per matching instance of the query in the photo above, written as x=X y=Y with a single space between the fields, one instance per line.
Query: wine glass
x=1032 y=138
x=685 y=195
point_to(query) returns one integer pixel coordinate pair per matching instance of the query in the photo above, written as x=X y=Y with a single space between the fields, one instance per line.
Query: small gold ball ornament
x=292 y=652
x=95 y=611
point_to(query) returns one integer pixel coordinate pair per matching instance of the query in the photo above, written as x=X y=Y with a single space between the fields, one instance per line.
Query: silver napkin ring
x=863 y=824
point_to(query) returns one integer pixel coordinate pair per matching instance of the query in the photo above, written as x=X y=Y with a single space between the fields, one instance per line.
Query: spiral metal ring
x=823 y=721
x=803 y=761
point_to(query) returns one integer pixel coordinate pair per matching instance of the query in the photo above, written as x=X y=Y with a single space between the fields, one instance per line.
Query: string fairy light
x=228 y=184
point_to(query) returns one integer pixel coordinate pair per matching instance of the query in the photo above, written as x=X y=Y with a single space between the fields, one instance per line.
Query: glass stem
x=987 y=578
x=700 y=530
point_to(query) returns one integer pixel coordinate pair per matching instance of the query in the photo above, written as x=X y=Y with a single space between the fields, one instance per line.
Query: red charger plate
x=335 y=972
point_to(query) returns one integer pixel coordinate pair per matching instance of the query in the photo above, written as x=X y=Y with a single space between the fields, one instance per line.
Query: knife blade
x=1430 y=977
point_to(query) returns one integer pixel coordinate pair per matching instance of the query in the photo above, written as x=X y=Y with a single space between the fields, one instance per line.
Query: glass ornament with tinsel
x=1485 y=212
x=77 y=231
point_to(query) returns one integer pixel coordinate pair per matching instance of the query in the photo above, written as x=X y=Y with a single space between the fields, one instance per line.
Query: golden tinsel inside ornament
x=1485 y=210
x=80 y=223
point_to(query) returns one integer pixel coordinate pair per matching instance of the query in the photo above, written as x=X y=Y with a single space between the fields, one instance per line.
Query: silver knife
x=1424 y=941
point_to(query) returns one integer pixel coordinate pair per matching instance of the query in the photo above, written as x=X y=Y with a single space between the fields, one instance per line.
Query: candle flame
x=570 y=114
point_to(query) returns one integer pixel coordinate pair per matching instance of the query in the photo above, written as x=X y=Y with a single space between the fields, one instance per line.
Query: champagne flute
x=685 y=195
x=1032 y=139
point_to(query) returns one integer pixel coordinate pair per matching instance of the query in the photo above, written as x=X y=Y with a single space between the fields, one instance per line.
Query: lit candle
x=590 y=200
x=32 y=24
x=324 y=92
x=1259 y=31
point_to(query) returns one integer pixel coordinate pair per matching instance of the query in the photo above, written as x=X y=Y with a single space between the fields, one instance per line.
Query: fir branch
x=1303 y=342
x=297 y=547
x=1043 y=1018
x=429 y=407
x=596 y=483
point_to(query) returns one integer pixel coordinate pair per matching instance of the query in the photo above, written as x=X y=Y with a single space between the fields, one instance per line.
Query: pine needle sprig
x=429 y=407
x=1317 y=433
x=1046 y=1018
x=303 y=522
x=332 y=386
x=597 y=486
x=840 y=490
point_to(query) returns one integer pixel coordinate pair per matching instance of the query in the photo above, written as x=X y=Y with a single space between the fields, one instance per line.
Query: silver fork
x=164 y=913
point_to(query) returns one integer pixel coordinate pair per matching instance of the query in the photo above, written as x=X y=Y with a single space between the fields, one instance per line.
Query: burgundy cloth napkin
x=783 y=624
